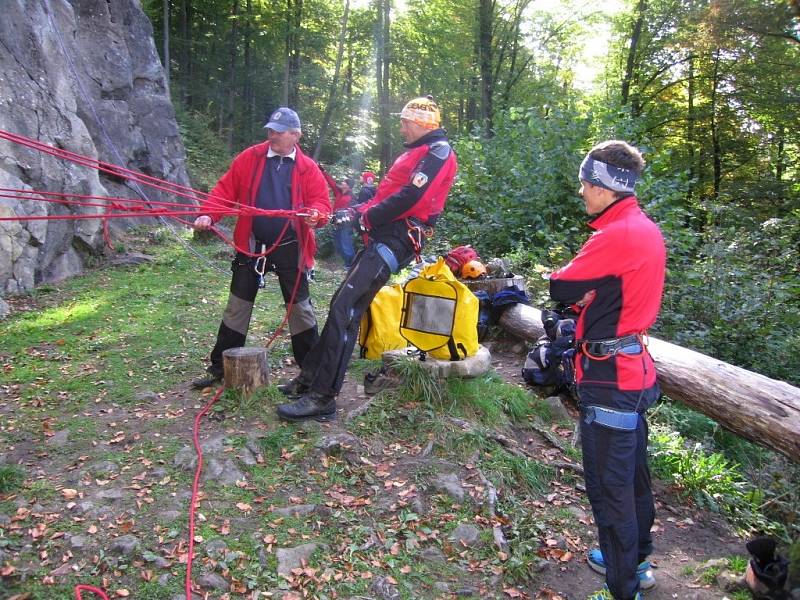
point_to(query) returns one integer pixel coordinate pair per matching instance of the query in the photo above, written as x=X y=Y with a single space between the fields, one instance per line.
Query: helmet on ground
x=474 y=269
x=423 y=111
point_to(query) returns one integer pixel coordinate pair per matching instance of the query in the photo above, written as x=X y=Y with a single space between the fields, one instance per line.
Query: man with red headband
x=408 y=200
x=615 y=283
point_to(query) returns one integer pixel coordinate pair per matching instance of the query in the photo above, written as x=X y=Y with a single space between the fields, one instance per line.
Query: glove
x=343 y=216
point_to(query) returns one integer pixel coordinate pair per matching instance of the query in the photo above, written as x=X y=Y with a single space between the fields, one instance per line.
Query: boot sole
x=320 y=418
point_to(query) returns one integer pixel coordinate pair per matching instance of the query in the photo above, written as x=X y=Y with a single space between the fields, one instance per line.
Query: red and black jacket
x=417 y=184
x=624 y=262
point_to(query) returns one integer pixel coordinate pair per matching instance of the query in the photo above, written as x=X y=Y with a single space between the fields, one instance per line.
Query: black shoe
x=293 y=388
x=206 y=380
x=309 y=406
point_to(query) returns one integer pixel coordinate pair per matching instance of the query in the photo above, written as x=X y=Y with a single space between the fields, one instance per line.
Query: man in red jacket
x=616 y=282
x=408 y=201
x=273 y=175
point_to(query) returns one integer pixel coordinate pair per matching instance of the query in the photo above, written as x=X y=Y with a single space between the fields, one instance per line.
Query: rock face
x=84 y=76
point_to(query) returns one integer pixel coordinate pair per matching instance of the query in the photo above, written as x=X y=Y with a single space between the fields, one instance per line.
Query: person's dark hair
x=620 y=154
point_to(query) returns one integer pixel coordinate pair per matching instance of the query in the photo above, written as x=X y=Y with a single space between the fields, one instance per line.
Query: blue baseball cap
x=283 y=119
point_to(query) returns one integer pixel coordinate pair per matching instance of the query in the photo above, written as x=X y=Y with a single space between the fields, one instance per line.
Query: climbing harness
x=418 y=232
x=631 y=345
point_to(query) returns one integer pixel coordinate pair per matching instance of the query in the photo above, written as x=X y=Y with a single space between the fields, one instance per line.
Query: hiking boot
x=206 y=380
x=604 y=594
x=646 y=578
x=379 y=380
x=293 y=388
x=310 y=405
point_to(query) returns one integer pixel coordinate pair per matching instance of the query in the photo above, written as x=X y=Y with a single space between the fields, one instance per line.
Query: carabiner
x=260 y=267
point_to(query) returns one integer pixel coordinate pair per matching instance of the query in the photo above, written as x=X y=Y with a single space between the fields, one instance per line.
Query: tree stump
x=493 y=285
x=245 y=368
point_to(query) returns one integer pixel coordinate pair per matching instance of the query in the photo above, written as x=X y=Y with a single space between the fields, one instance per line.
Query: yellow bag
x=380 y=324
x=440 y=314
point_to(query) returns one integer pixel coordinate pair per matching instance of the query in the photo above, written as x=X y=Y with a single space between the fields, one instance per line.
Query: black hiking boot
x=293 y=388
x=207 y=380
x=309 y=406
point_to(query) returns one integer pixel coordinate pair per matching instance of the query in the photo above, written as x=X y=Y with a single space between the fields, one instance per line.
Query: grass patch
x=11 y=478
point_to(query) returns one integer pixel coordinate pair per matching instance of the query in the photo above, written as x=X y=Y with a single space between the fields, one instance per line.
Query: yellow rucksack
x=440 y=314
x=380 y=324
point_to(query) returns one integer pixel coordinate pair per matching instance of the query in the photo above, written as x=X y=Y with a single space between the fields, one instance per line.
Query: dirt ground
x=90 y=491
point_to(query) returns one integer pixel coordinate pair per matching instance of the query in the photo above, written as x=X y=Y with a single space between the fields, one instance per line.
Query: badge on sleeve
x=420 y=179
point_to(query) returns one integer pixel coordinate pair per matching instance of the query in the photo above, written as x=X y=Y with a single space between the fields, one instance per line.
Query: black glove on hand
x=343 y=216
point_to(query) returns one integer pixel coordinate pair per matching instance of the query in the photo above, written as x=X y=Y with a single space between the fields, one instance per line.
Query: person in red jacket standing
x=342 y=233
x=407 y=203
x=615 y=282
x=271 y=175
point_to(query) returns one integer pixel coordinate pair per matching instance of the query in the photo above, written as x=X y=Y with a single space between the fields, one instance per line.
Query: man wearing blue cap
x=615 y=283
x=273 y=175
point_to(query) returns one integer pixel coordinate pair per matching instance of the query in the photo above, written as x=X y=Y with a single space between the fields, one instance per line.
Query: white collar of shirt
x=292 y=154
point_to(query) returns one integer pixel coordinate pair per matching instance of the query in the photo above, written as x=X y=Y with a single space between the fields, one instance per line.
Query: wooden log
x=763 y=410
x=493 y=285
x=245 y=368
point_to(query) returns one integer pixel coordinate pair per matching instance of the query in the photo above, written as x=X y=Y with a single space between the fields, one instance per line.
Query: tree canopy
x=708 y=89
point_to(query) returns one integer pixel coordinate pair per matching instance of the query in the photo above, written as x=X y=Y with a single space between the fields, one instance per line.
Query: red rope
x=89 y=588
x=195 y=486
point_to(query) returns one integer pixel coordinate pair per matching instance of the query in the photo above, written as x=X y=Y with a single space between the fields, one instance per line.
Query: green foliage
x=518 y=189
x=709 y=478
x=749 y=310
x=11 y=478
x=207 y=158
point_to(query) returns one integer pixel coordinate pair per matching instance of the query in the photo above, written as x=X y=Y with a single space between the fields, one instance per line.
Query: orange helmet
x=473 y=269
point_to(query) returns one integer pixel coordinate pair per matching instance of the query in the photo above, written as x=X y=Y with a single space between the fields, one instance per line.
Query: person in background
x=408 y=201
x=342 y=232
x=271 y=175
x=367 y=190
x=616 y=283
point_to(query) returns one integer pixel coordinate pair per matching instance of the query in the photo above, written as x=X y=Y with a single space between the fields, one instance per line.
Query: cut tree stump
x=493 y=285
x=245 y=368
x=763 y=410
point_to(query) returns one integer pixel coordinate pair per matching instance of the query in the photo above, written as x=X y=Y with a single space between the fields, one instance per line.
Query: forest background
x=709 y=90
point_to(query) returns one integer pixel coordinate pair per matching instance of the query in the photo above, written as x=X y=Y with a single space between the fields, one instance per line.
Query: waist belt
x=613 y=419
x=628 y=344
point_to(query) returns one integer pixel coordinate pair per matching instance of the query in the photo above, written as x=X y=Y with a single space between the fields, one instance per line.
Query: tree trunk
x=715 y=127
x=166 y=45
x=186 y=67
x=631 y=63
x=382 y=58
x=691 y=141
x=485 y=26
x=245 y=368
x=232 y=89
x=326 y=119
x=763 y=410
x=248 y=94
x=291 y=69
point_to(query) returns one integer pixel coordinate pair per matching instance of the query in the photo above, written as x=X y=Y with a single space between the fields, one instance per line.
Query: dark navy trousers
x=326 y=363
x=283 y=261
x=618 y=485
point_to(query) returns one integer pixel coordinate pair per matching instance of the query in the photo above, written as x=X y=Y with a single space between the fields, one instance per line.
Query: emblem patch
x=420 y=179
x=277 y=116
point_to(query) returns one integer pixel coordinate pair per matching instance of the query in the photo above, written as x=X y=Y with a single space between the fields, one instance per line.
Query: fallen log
x=763 y=410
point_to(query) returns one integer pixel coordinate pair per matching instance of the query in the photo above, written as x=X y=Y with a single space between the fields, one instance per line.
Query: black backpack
x=551 y=361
